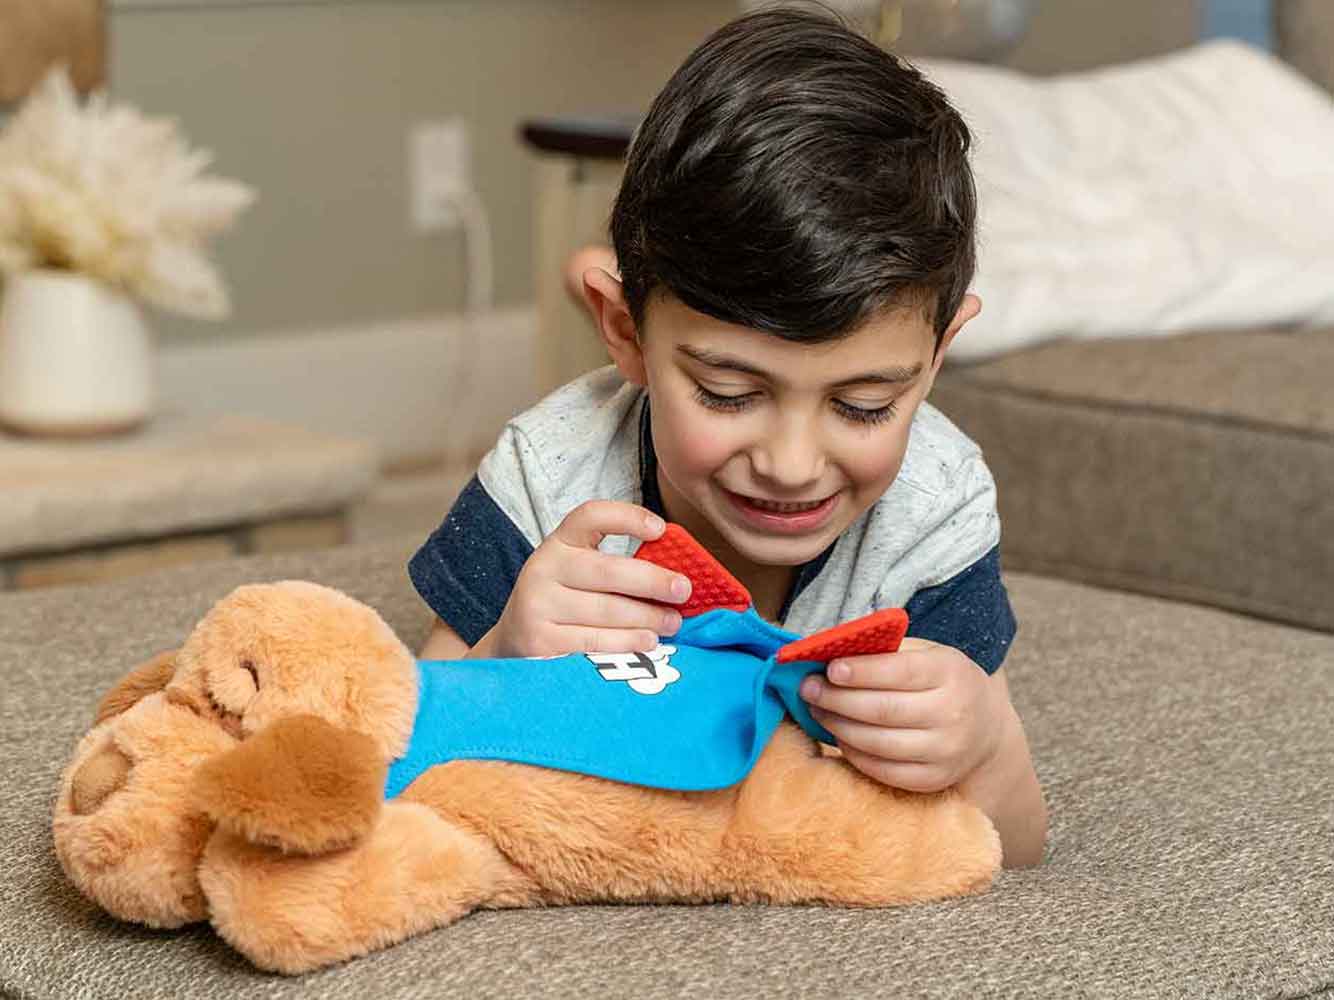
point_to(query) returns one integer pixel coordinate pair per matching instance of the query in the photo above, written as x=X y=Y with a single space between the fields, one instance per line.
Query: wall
x=311 y=104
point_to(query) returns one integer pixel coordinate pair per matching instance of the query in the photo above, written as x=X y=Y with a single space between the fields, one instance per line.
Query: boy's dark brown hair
x=795 y=178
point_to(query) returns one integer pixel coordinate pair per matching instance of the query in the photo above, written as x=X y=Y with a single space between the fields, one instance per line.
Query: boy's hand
x=921 y=719
x=572 y=598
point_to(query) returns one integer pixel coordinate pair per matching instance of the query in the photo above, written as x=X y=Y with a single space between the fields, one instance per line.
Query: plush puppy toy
x=293 y=775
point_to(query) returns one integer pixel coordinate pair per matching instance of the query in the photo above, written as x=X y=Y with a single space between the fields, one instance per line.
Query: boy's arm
x=971 y=612
x=445 y=644
x=1006 y=788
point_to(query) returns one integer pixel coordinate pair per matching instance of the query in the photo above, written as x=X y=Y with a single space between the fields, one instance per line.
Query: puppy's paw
x=96 y=778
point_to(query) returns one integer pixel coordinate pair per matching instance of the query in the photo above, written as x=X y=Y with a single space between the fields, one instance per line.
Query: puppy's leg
x=811 y=828
x=414 y=871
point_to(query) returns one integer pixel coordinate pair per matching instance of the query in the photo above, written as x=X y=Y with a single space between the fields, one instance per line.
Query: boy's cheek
x=876 y=467
x=690 y=446
x=700 y=452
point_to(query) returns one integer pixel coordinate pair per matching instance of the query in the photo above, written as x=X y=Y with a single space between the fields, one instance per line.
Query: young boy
x=794 y=235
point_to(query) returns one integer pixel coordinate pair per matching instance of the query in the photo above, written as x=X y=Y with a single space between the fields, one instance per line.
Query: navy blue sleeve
x=970 y=611
x=467 y=567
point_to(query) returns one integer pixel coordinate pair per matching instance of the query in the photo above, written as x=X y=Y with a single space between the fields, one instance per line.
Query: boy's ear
x=968 y=309
x=605 y=299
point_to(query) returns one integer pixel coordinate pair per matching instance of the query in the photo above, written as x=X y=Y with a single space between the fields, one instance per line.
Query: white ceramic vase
x=75 y=356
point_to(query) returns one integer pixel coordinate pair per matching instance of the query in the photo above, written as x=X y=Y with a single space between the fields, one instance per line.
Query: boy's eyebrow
x=893 y=375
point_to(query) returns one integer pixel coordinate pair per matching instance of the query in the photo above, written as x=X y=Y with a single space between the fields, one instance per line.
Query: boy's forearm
x=445 y=644
x=1006 y=788
x=485 y=648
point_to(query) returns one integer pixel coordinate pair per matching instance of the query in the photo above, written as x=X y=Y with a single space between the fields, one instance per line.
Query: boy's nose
x=789 y=462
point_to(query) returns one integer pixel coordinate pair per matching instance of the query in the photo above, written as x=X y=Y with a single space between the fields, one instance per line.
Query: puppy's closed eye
x=249 y=667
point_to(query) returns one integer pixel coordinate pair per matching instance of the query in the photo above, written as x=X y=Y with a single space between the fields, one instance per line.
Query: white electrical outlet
x=438 y=172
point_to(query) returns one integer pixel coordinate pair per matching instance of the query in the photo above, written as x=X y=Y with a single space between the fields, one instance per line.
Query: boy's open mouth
x=783 y=516
x=783 y=507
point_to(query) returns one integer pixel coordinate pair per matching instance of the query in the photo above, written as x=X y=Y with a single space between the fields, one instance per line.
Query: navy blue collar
x=652 y=499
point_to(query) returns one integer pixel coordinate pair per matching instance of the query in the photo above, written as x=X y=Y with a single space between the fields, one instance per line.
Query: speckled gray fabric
x=1186 y=754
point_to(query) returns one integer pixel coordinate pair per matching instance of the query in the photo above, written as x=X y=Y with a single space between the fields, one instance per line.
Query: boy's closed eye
x=732 y=403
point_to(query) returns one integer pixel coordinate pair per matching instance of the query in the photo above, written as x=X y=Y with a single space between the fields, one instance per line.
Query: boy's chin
x=773 y=549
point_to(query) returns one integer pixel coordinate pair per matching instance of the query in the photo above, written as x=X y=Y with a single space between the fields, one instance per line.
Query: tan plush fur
x=301 y=785
x=137 y=853
x=152 y=676
x=247 y=790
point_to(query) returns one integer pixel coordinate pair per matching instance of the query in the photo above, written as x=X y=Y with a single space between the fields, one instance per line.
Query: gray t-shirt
x=929 y=544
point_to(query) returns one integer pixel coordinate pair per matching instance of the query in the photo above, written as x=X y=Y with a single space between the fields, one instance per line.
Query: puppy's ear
x=150 y=676
x=301 y=784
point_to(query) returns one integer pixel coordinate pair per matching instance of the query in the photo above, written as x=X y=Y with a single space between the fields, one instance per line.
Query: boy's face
x=774 y=447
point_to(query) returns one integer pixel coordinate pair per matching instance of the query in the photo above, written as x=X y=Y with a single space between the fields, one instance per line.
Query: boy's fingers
x=906 y=670
x=912 y=777
x=909 y=710
x=590 y=522
x=917 y=746
x=612 y=611
x=585 y=639
x=601 y=571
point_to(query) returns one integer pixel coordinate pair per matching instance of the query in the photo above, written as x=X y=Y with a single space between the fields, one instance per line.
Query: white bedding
x=1190 y=191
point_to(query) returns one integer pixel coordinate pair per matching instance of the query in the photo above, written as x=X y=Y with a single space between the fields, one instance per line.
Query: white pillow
x=1190 y=191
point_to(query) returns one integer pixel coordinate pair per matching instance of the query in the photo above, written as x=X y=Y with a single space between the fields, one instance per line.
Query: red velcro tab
x=879 y=632
x=711 y=587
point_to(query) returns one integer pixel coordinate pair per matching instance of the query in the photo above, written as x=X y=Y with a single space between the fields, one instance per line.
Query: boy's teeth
x=784 y=508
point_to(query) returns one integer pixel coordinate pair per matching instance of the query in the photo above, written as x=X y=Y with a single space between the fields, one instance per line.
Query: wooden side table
x=578 y=166
x=184 y=489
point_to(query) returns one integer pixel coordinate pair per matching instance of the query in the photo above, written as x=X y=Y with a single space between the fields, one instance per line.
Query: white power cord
x=477 y=234
x=462 y=419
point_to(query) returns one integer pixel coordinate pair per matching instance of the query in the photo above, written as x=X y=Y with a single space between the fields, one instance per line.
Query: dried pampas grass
x=107 y=192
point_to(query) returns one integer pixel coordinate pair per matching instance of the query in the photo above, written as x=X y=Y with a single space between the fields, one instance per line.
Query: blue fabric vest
x=692 y=715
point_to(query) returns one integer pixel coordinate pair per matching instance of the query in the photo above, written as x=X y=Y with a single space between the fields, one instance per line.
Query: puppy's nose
x=97 y=778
